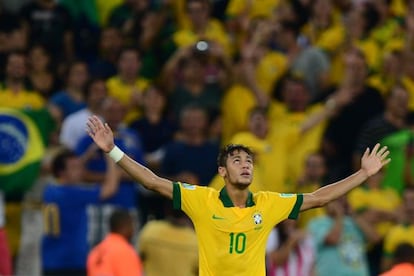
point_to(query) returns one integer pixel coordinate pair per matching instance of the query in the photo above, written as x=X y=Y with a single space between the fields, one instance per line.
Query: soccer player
x=232 y=225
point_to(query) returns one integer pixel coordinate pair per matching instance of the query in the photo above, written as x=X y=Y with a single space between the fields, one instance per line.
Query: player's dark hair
x=59 y=162
x=229 y=150
x=119 y=218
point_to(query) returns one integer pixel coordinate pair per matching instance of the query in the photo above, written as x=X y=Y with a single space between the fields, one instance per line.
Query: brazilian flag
x=23 y=139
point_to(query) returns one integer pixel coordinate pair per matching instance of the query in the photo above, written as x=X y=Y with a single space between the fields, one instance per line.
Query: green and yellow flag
x=23 y=138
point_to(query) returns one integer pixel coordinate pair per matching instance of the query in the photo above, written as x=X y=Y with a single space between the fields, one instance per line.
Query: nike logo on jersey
x=217 y=217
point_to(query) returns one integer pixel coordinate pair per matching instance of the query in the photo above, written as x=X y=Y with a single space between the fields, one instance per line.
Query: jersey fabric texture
x=232 y=240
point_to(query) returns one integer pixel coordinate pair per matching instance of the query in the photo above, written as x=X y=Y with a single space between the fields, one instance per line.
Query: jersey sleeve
x=282 y=206
x=189 y=198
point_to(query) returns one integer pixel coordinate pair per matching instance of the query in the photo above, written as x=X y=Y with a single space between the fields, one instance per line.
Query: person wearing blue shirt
x=64 y=242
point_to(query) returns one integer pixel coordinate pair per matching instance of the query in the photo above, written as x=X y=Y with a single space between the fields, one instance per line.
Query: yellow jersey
x=124 y=93
x=232 y=240
x=403 y=233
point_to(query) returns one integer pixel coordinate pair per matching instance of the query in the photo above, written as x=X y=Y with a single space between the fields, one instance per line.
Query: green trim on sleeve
x=296 y=208
x=176 y=196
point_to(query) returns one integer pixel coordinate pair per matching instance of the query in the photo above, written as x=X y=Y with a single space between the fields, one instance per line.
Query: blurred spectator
x=127 y=86
x=383 y=126
x=5 y=257
x=201 y=27
x=115 y=255
x=156 y=131
x=380 y=207
x=361 y=22
x=12 y=36
x=154 y=127
x=172 y=236
x=64 y=244
x=407 y=77
x=293 y=110
x=113 y=113
x=340 y=241
x=71 y=98
x=180 y=159
x=40 y=73
x=109 y=46
x=389 y=73
x=14 y=89
x=85 y=26
x=402 y=232
x=403 y=263
x=326 y=30
x=363 y=104
x=262 y=65
x=290 y=251
x=49 y=23
x=73 y=129
x=312 y=179
x=186 y=81
x=310 y=63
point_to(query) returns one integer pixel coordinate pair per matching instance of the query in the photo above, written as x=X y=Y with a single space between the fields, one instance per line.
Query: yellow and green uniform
x=386 y=199
x=123 y=92
x=398 y=234
x=232 y=240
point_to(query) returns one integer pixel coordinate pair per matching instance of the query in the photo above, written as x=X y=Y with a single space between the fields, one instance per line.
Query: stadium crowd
x=308 y=85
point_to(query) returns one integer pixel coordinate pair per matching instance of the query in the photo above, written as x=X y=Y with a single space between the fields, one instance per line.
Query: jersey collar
x=224 y=197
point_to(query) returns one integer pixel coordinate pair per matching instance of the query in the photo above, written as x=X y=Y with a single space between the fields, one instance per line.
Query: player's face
x=239 y=169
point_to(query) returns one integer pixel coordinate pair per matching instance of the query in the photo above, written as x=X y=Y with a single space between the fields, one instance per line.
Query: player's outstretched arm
x=102 y=135
x=371 y=163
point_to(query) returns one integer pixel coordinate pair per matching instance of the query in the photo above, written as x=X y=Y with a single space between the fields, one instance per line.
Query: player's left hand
x=373 y=161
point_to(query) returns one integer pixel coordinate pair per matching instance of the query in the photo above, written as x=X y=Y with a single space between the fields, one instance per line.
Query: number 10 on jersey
x=237 y=243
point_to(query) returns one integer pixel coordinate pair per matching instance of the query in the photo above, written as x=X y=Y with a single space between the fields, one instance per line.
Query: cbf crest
x=257 y=218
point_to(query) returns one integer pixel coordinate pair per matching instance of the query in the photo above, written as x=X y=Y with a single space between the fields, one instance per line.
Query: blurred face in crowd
x=114 y=112
x=16 y=67
x=397 y=102
x=356 y=66
x=73 y=172
x=259 y=124
x=193 y=121
x=315 y=167
x=408 y=200
x=39 y=59
x=111 y=40
x=198 y=12
x=193 y=70
x=129 y=64
x=295 y=95
x=153 y=100
x=97 y=94
x=322 y=10
x=78 y=75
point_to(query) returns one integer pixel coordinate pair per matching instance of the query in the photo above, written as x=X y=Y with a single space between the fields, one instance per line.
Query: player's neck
x=237 y=196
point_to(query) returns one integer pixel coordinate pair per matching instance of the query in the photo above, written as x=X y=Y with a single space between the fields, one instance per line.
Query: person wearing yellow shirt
x=127 y=86
x=13 y=91
x=378 y=206
x=233 y=224
x=202 y=27
x=402 y=232
x=326 y=31
x=171 y=240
